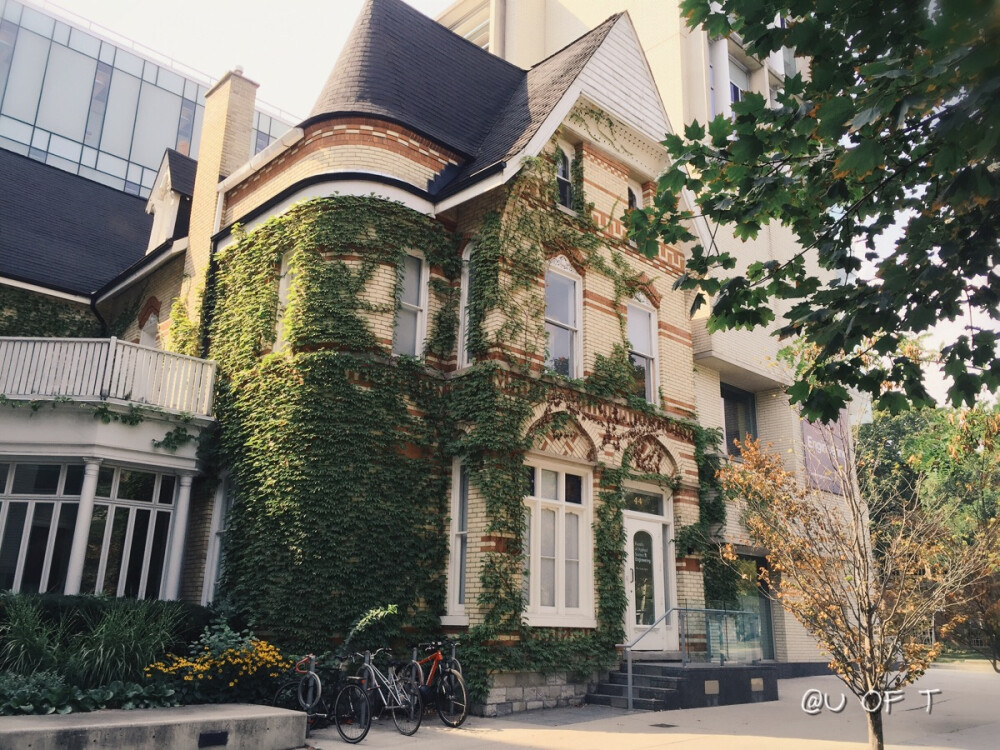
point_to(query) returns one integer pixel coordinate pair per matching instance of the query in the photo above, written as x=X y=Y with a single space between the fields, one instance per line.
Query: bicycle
x=306 y=694
x=397 y=690
x=352 y=712
x=445 y=686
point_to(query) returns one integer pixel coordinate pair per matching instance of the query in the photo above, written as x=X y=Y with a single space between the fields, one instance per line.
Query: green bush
x=90 y=646
x=47 y=693
x=78 y=653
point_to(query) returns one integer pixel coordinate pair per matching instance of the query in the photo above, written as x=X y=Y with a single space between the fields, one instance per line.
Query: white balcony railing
x=105 y=369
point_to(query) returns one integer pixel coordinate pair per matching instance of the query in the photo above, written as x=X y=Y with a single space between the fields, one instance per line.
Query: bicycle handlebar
x=304 y=659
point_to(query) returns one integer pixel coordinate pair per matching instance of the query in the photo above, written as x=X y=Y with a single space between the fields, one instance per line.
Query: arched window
x=149 y=334
x=563 y=179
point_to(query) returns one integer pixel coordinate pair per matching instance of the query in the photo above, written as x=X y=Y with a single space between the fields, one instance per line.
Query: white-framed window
x=411 y=313
x=149 y=334
x=739 y=81
x=642 y=337
x=464 y=324
x=127 y=540
x=564 y=178
x=558 y=557
x=458 y=569
x=225 y=496
x=563 y=313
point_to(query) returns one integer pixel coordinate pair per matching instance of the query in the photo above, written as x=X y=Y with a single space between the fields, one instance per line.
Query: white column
x=171 y=590
x=81 y=532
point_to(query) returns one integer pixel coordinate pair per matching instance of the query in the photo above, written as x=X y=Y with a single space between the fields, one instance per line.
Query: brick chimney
x=225 y=146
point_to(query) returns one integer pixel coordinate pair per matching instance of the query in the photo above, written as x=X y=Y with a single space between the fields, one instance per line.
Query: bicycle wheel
x=310 y=691
x=452 y=699
x=287 y=696
x=407 y=717
x=352 y=713
x=456 y=665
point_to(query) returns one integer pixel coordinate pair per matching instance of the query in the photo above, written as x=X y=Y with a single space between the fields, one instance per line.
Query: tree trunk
x=875 y=738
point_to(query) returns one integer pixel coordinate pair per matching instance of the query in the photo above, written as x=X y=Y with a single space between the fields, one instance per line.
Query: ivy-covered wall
x=342 y=454
x=24 y=313
x=335 y=448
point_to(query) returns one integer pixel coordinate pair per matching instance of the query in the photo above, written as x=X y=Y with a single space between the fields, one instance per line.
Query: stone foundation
x=513 y=692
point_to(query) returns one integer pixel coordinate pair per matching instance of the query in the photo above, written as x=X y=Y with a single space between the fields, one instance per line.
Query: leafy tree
x=896 y=124
x=865 y=591
x=950 y=458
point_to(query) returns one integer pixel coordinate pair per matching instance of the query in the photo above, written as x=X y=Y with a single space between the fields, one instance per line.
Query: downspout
x=97 y=314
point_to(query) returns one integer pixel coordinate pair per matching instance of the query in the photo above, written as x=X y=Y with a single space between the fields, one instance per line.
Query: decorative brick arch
x=559 y=434
x=645 y=287
x=649 y=456
x=567 y=256
x=151 y=307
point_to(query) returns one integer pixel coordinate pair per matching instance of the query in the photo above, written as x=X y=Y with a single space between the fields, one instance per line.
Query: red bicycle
x=444 y=686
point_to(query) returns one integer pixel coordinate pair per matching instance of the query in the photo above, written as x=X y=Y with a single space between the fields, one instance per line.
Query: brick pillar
x=225 y=146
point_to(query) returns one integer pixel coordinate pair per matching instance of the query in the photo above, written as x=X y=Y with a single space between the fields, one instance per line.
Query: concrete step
x=657 y=669
x=609 y=688
x=615 y=701
x=645 y=680
x=232 y=726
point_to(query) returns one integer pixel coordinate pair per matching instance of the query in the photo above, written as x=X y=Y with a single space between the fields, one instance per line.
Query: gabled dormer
x=170 y=198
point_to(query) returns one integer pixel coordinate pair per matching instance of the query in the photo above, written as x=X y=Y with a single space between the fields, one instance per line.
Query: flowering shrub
x=244 y=673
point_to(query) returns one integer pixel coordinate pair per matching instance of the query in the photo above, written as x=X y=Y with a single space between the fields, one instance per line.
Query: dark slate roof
x=401 y=65
x=531 y=102
x=182 y=169
x=66 y=232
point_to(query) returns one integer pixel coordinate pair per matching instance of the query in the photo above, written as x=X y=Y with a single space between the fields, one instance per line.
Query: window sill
x=460 y=620
x=560 y=621
x=567 y=210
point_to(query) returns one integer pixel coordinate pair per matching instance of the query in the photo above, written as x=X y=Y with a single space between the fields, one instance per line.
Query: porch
x=98 y=450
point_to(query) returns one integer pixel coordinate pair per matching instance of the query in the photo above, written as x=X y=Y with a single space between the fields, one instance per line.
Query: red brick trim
x=151 y=307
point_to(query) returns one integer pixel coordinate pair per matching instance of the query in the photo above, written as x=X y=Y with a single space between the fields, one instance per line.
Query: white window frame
x=740 y=67
x=113 y=505
x=456 y=610
x=149 y=334
x=560 y=615
x=464 y=355
x=224 y=496
x=562 y=267
x=421 y=309
x=563 y=157
x=642 y=304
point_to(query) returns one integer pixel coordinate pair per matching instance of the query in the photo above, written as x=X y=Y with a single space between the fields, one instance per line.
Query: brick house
x=522 y=286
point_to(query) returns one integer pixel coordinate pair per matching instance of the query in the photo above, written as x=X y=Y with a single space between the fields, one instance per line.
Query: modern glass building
x=73 y=96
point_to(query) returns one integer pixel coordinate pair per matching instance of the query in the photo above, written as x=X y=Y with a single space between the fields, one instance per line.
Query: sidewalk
x=966 y=714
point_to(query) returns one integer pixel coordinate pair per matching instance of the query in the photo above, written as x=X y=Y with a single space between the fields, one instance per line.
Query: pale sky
x=287 y=46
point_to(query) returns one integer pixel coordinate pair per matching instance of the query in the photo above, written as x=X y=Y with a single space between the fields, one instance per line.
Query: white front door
x=649 y=583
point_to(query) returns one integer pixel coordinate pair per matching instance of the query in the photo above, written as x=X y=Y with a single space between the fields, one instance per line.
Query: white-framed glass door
x=649 y=575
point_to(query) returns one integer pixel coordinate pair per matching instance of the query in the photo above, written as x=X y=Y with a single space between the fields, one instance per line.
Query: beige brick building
x=553 y=149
